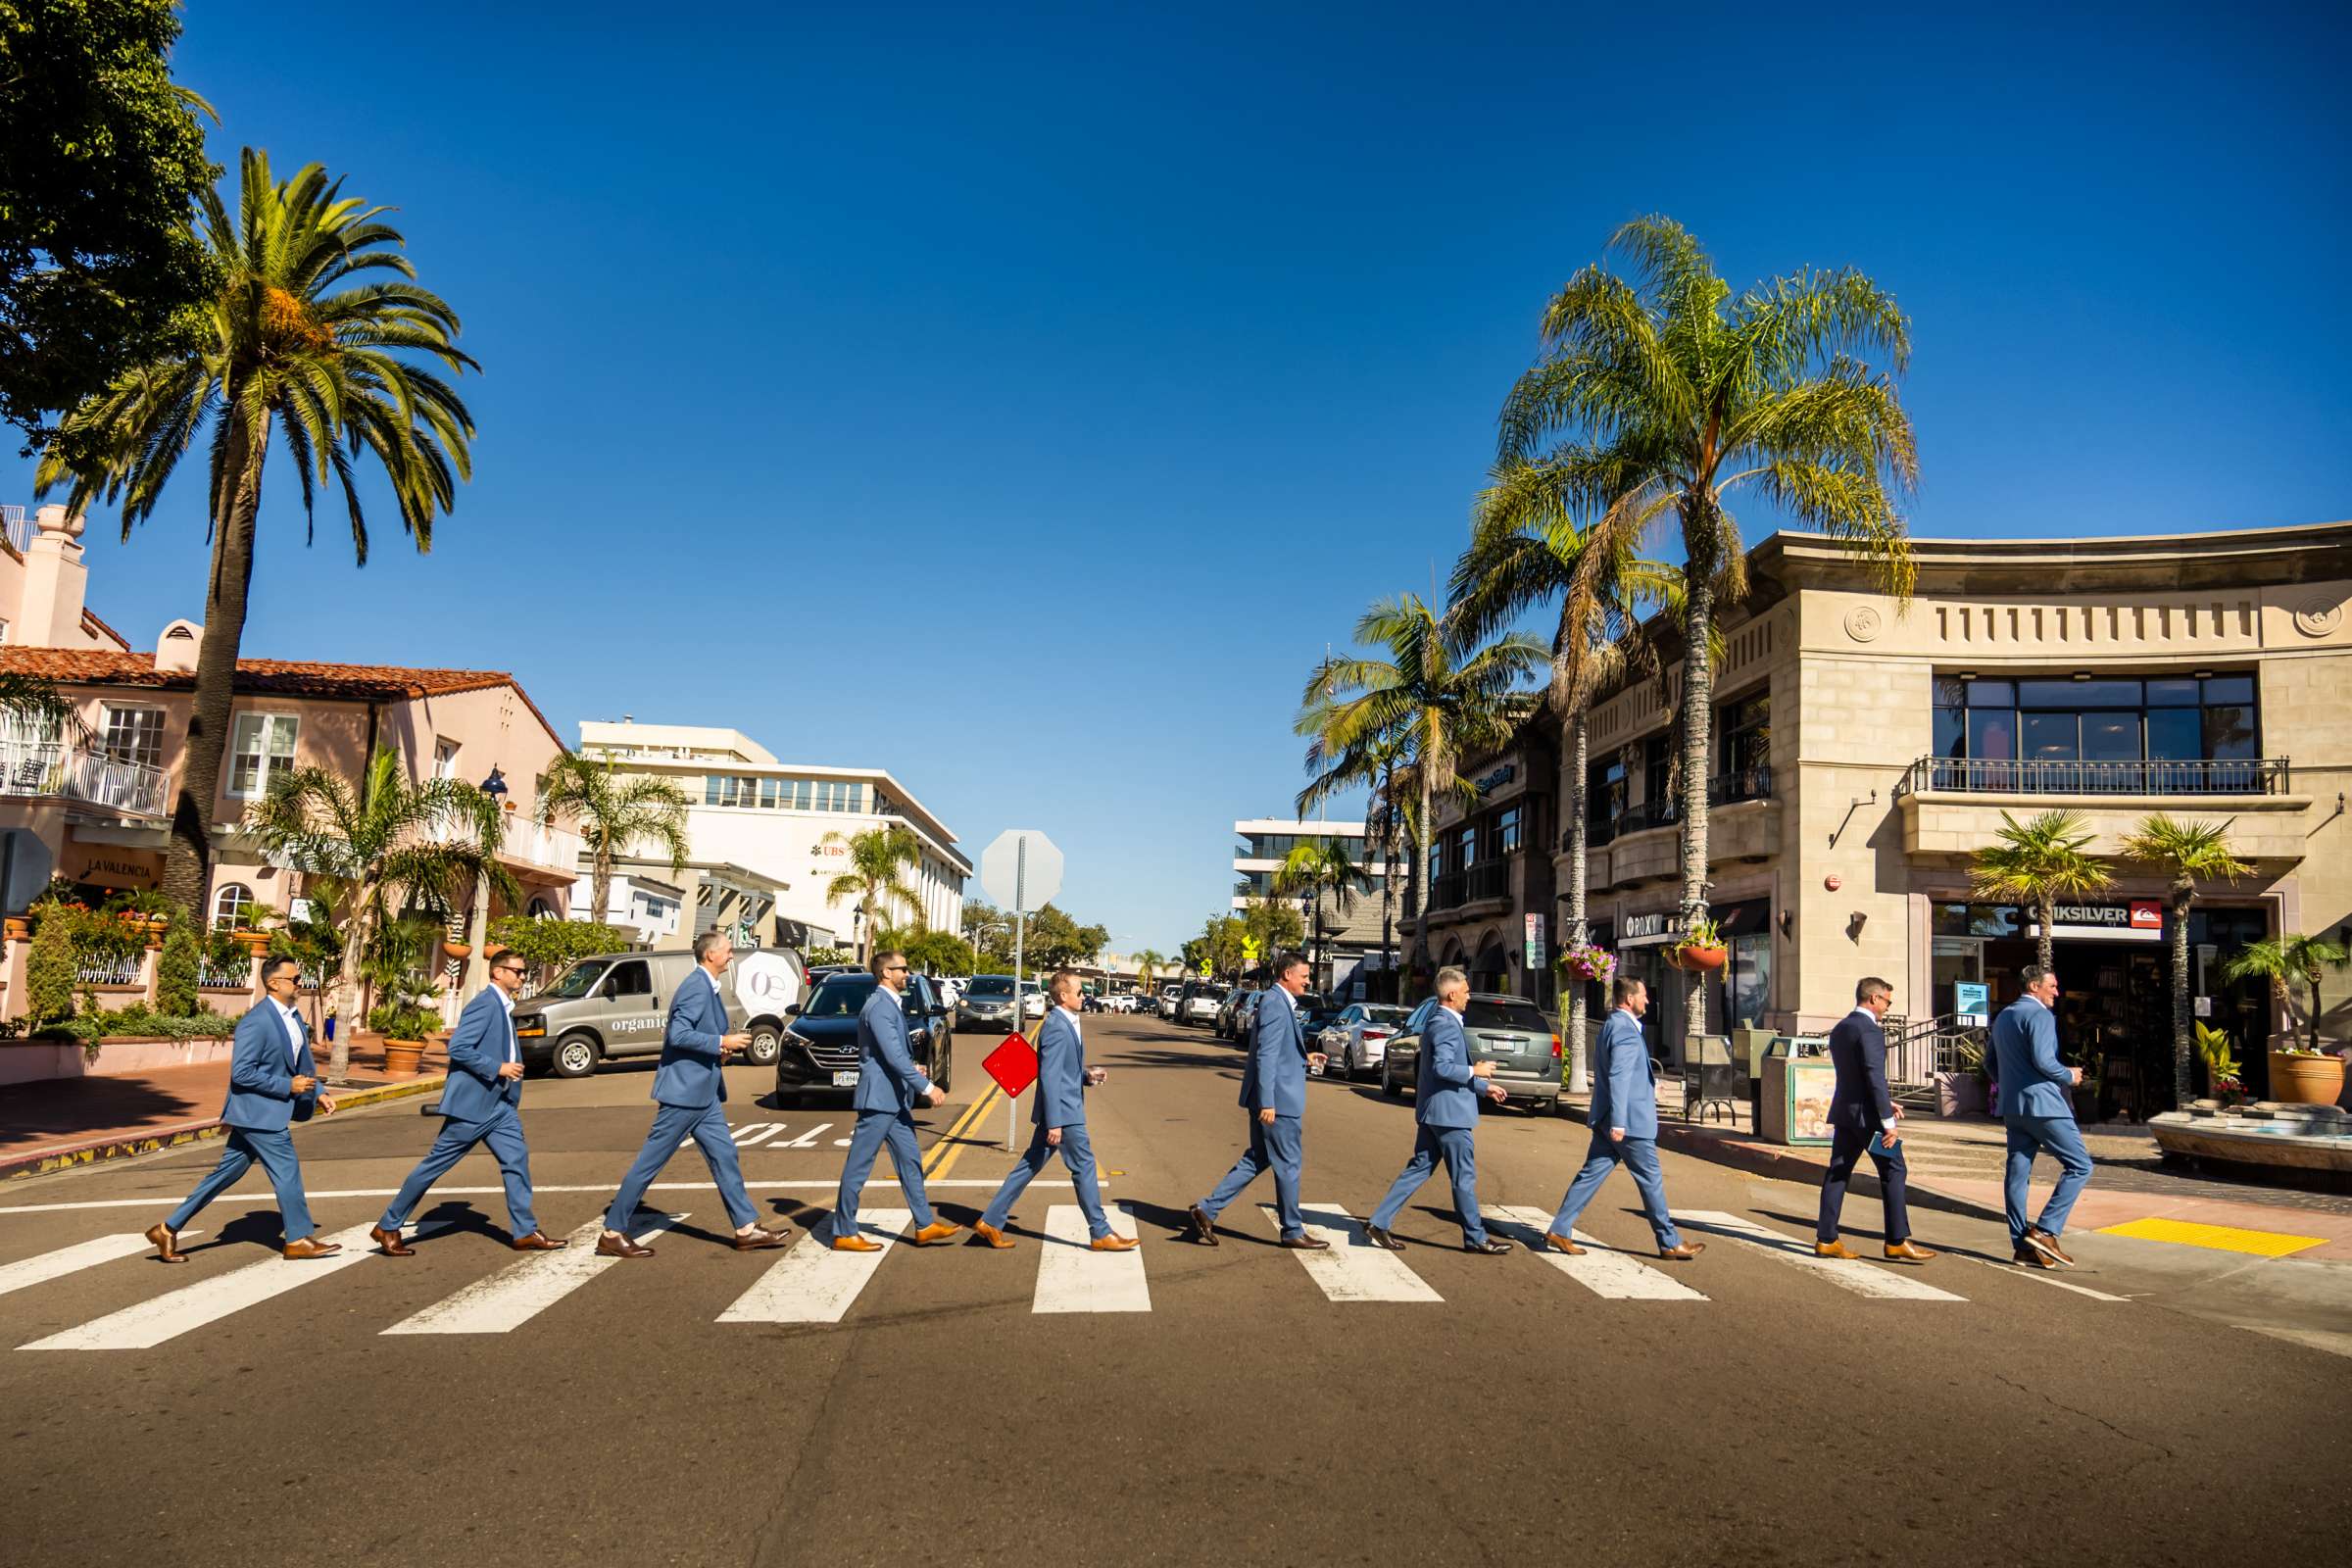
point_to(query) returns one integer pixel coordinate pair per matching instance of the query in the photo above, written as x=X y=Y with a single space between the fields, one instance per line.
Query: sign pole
x=1020 y=1012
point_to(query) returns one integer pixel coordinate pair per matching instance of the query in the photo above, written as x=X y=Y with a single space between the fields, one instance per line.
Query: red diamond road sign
x=1012 y=1065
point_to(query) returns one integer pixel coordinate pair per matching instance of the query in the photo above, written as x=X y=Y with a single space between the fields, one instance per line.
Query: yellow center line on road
x=942 y=1152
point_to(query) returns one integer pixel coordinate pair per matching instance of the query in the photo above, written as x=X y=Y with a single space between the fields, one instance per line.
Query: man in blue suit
x=2037 y=1108
x=1446 y=1121
x=889 y=1083
x=273 y=1082
x=690 y=1086
x=1863 y=1115
x=1624 y=1128
x=482 y=1104
x=1274 y=1092
x=1059 y=1112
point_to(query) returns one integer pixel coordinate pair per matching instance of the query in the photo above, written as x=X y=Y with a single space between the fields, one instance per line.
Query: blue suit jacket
x=689 y=1074
x=1060 y=1100
x=1445 y=1094
x=887 y=1077
x=1858 y=1051
x=1622 y=1092
x=260 y=1073
x=476 y=1049
x=1275 y=1075
x=2025 y=1044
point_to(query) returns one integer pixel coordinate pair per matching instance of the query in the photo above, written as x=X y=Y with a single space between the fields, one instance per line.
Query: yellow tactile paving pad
x=2221 y=1238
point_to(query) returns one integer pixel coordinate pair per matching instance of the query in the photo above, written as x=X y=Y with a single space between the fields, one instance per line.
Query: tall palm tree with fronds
x=2035 y=863
x=615 y=812
x=879 y=859
x=1146 y=964
x=2286 y=962
x=1661 y=396
x=1437 y=695
x=373 y=849
x=2187 y=852
x=297 y=343
x=1326 y=875
x=1382 y=766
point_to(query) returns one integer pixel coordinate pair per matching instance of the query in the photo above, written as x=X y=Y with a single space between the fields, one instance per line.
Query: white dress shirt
x=293 y=1022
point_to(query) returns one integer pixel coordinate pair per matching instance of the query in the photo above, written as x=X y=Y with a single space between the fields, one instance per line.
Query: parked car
x=987 y=1004
x=1198 y=1001
x=1511 y=1032
x=1357 y=1036
x=1235 y=1011
x=819 y=1055
x=1315 y=1016
x=1165 y=1005
x=1033 y=1000
x=615 y=1006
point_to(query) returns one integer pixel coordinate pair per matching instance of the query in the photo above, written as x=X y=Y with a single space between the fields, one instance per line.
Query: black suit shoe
x=1307 y=1244
x=1383 y=1240
x=1491 y=1246
x=1204 y=1229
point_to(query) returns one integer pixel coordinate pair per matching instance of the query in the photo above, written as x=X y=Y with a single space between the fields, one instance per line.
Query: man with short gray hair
x=1444 y=1121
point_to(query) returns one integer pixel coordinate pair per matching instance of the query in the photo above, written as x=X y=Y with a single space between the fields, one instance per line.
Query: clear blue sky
x=887 y=382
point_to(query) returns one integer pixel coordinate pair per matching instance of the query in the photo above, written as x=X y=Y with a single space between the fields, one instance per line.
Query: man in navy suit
x=1863 y=1115
x=1624 y=1128
x=690 y=1086
x=1274 y=1092
x=1059 y=1112
x=2037 y=1108
x=1446 y=1121
x=889 y=1083
x=273 y=1082
x=482 y=1104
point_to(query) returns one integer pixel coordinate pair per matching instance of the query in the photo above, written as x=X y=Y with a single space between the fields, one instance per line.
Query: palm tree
x=2285 y=961
x=879 y=859
x=2037 y=863
x=1146 y=964
x=2187 y=852
x=1435 y=697
x=1321 y=872
x=286 y=345
x=374 y=850
x=1664 y=395
x=615 y=813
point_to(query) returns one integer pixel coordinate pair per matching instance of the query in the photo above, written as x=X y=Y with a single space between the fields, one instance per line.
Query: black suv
x=819 y=1052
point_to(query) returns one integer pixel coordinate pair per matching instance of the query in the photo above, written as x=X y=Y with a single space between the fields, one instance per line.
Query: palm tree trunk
x=188 y=851
x=357 y=939
x=2183 y=1033
x=1420 y=861
x=600 y=882
x=1697 y=704
x=2046 y=945
x=1388 y=882
x=1577 y=930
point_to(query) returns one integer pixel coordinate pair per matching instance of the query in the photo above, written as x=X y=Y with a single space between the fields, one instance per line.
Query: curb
x=69 y=1156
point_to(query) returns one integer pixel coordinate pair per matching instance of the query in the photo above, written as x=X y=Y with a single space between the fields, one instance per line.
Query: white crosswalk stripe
x=1073 y=1277
x=74 y=1260
x=813 y=1284
x=521 y=1291
x=170 y=1315
x=1353 y=1269
x=1617 y=1276
x=1851 y=1274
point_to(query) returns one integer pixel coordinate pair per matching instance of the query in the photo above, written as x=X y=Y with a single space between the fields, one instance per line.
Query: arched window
x=541 y=910
x=232 y=904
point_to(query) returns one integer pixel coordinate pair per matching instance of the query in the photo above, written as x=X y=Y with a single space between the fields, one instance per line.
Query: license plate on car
x=847 y=1079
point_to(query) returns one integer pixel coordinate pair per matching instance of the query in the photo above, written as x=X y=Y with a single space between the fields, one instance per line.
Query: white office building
x=757 y=826
x=1351 y=934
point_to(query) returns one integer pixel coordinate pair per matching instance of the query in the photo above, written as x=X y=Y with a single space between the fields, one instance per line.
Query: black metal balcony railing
x=1490 y=879
x=1724 y=789
x=1596 y=834
x=1957 y=775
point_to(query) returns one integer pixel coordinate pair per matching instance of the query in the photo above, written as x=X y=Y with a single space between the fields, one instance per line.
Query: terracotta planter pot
x=255 y=943
x=402 y=1057
x=2306 y=1080
x=457 y=949
x=1705 y=958
x=18 y=930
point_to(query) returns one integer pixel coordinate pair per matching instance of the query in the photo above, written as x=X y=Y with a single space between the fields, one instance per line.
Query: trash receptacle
x=1796 y=1087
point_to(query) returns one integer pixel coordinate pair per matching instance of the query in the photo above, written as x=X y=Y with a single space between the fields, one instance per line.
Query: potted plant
x=18 y=928
x=457 y=949
x=1965 y=1092
x=2302 y=1074
x=405 y=1025
x=1702 y=947
x=1589 y=963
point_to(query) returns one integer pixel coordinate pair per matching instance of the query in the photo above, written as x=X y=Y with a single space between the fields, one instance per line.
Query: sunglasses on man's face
x=894 y=968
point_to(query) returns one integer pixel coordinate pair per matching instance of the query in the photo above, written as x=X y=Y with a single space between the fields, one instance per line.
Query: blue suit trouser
x=876 y=1129
x=2062 y=1140
x=1277 y=1145
x=1458 y=1150
x=1078 y=1154
x=502 y=1135
x=1846 y=1147
x=706 y=1125
x=273 y=1151
x=1639 y=1156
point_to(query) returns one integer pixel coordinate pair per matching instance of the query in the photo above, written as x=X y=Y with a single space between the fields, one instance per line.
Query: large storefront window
x=2120 y=725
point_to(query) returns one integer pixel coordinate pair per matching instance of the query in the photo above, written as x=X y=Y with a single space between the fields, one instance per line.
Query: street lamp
x=495 y=786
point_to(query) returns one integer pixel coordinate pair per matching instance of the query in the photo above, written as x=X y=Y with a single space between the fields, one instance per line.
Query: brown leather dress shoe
x=856 y=1244
x=167 y=1243
x=1303 y=1242
x=1683 y=1251
x=993 y=1235
x=612 y=1244
x=1383 y=1240
x=311 y=1247
x=1908 y=1252
x=1114 y=1244
x=1562 y=1244
x=389 y=1243
x=538 y=1242
x=2026 y=1257
x=1837 y=1249
x=1204 y=1229
x=939 y=1230
x=2046 y=1244
x=759 y=1239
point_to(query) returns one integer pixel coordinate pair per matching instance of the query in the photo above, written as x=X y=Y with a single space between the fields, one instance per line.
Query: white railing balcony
x=95 y=971
x=557 y=848
x=77 y=773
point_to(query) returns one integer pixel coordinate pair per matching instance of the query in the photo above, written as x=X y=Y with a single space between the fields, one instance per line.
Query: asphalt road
x=1511 y=1412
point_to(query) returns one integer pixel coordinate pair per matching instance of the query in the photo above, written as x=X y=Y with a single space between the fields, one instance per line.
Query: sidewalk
x=1959 y=1162
x=77 y=1121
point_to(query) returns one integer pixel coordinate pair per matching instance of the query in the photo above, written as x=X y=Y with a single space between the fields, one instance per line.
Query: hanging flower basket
x=457 y=949
x=1589 y=963
x=1695 y=955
